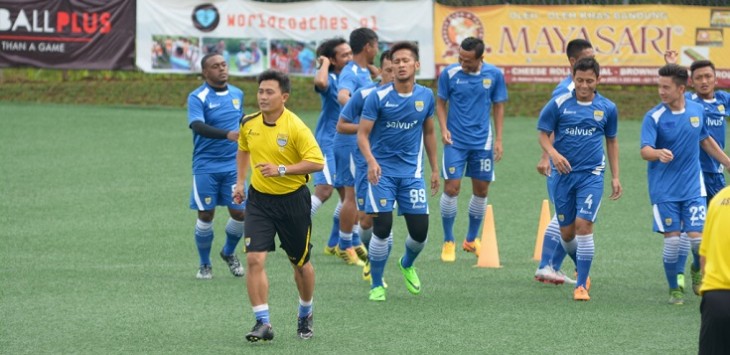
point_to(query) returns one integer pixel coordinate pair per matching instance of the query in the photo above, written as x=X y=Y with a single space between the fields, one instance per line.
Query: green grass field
x=98 y=257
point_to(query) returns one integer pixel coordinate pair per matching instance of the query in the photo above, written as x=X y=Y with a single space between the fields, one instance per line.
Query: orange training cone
x=489 y=254
x=541 y=227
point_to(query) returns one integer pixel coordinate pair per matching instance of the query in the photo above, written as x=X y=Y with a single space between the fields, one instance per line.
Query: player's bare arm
x=429 y=140
x=321 y=77
x=363 y=142
x=242 y=165
x=710 y=146
x=651 y=154
x=498 y=112
x=612 y=152
x=441 y=113
x=559 y=161
x=344 y=127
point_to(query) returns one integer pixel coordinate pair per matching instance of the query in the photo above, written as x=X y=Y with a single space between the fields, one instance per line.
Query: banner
x=84 y=34
x=528 y=42
x=172 y=35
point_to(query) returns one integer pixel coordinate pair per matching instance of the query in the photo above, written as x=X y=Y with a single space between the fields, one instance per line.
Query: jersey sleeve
x=648 y=132
x=431 y=105
x=348 y=112
x=370 y=108
x=704 y=133
x=242 y=140
x=443 y=85
x=548 y=118
x=611 y=129
x=347 y=81
x=195 y=110
x=308 y=147
x=500 y=89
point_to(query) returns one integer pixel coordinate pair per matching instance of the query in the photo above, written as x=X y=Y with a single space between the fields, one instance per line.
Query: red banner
x=63 y=34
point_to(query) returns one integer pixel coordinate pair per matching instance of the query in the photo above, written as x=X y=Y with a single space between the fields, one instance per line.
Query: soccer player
x=333 y=55
x=358 y=72
x=351 y=166
x=670 y=134
x=579 y=121
x=394 y=127
x=717 y=104
x=472 y=89
x=214 y=110
x=553 y=254
x=282 y=151
x=715 y=261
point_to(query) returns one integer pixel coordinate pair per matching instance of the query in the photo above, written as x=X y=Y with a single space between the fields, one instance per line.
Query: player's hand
x=446 y=137
x=232 y=136
x=268 y=169
x=435 y=183
x=323 y=61
x=543 y=165
x=560 y=163
x=498 y=150
x=239 y=194
x=671 y=57
x=616 y=189
x=665 y=155
x=374 y=172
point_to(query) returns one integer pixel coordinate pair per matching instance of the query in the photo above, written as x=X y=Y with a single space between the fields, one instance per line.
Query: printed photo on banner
x=720 y=18
x=244 y=55
x=708 y=37
x=175 y=52
x=688 y=55
x=293 y=57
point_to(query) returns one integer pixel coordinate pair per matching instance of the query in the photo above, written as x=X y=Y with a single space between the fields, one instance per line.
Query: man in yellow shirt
x=282 y=152
x=715 y=266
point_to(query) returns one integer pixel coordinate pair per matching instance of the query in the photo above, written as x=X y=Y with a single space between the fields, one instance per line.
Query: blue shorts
x=714 y=182
x=327 y=175
x=577 y=194
x=479 y=163
x=361 y=187
x=345 y=163
x=682 y=216
x=216 y=189
x=410 y=193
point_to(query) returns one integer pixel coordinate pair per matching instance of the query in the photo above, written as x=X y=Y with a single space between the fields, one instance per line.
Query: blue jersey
x=220 y=109
x=681 y=133
x=579 y=129
x=716 y=112
x=396 y=140
x=352 y=77
x=351 y=113
x=324 y=133
x=564 y=87
x=470 y=97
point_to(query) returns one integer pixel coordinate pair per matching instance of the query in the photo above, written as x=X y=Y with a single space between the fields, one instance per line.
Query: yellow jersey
x=715 y=246
x=287 y=142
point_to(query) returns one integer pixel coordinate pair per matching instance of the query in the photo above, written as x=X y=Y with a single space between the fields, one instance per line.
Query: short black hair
x=386 y=54
x=360 y=37
x=281 y=78
x=576 y=46
x=678 y=73
x=697 y=64
x=205 y=59
x=586 y=64
x=473 y=44
x=411 y=46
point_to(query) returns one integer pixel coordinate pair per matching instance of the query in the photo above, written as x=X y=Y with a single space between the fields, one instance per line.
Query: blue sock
x=234 y=232
x=262 y=313
x=305 y=308
x=413 y=248
x=570 y=248
x=390 y=242
x=550 y=243
x=584 y=258
x=695 y=242
x=378 y=255
x=683 y=254
x=204 y=239
x=335 y=232
x=670 y=256
x=356 y=236
x=345 y=240
x=448 y=216
x=477 y=207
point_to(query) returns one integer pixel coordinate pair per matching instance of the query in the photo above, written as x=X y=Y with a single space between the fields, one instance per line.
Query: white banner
x=172 y=35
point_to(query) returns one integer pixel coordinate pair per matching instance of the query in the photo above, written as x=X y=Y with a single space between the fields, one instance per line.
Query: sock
x=477 y=207
x=390 y=242
x=262 y=313
x=335 y=232
x=550 y=243
x=345 y=240
x=234 y=232
x=356 y=236
x=448 y=216
x=413 y=248
x=570 y=247
x=365 y=235
x=684 y=247
x=305 y=308
x=695 y=242
x=316 y=204
x=378 y=255
x=584 y=258
x=670 y=255
x=204 y=239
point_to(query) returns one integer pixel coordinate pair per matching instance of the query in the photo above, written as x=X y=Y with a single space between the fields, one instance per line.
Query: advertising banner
x=84 y=34
x=528 y=42
x=172 y=35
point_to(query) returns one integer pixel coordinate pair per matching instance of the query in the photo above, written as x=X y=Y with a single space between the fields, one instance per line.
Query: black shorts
x=715 y=326
x=287 y=215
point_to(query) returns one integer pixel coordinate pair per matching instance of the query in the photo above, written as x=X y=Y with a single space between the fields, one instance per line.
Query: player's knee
x=366 y=222
x=206 y=216
x=583 y=227
x=417 y=225
x=323 y=192
x=255 y=261
x=452 y=190
x=382 y=224
x=238 y=215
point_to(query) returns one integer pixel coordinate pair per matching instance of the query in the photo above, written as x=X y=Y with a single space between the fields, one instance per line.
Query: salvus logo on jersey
x=419 y=106
x=598 y=115
x=715 y=123
x=577 y=131
x=400 y=125
x=695 y=121
x=487 y=83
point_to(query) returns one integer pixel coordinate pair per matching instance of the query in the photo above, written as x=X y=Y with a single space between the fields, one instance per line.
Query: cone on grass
x=541 y=227
x=489 y=254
